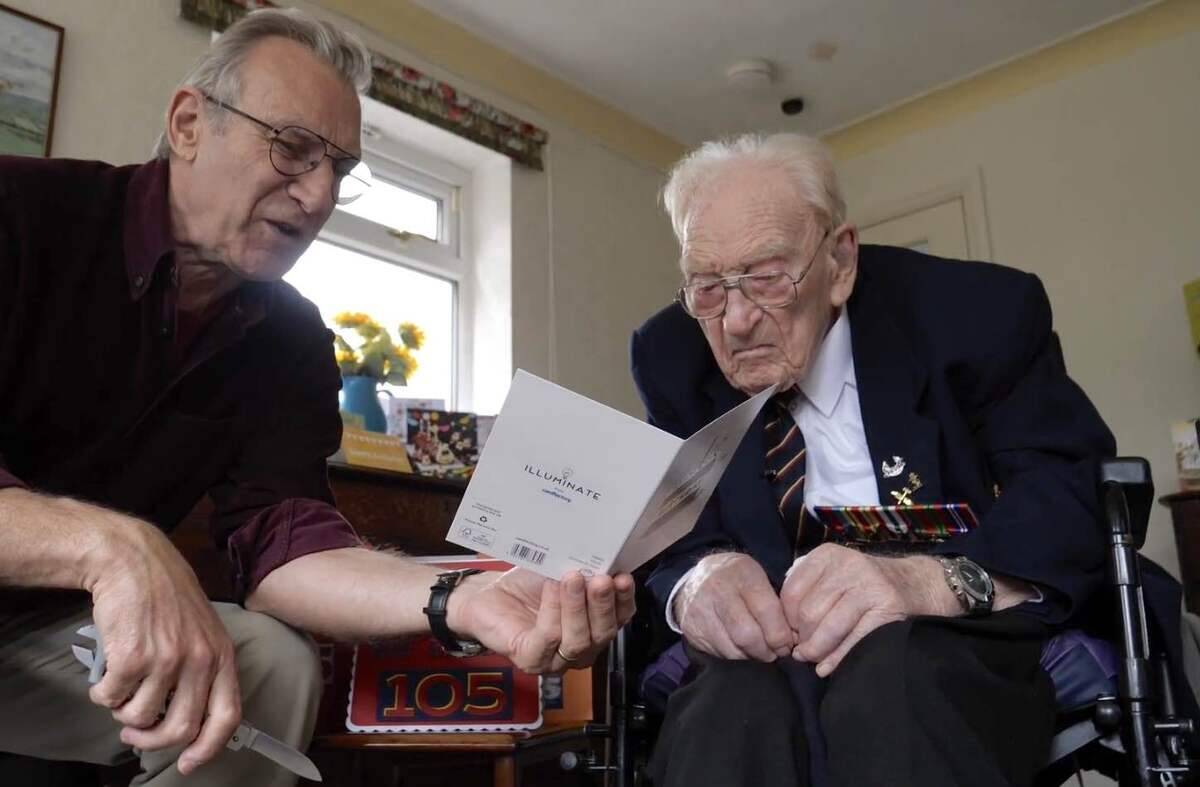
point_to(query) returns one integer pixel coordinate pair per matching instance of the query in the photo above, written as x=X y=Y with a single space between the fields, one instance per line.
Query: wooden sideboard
x=1185 y=516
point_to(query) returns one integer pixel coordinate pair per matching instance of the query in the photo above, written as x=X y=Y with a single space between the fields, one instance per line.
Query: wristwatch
x=439 y=595
x=970 y=582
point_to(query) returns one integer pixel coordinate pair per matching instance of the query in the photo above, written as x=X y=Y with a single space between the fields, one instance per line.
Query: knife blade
x=274 y=749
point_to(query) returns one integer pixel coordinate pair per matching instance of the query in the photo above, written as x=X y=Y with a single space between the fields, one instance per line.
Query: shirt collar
x=147 y=219
x=148 y=239
x=832 y=369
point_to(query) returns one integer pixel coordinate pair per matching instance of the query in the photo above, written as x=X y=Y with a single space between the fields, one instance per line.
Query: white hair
x=218 y=72
x=805 y=160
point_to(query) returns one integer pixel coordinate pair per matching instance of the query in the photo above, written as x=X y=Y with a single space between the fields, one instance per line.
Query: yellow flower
x=406 y=361
x=369 y=329
x=351 y=319
x=378 y=354
x=412 y=336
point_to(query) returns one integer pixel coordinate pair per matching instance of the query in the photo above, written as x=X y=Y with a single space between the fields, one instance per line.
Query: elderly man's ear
x=185 y=116
x=845 y=260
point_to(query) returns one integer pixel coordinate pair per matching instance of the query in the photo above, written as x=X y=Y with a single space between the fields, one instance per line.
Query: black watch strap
x=439 y=597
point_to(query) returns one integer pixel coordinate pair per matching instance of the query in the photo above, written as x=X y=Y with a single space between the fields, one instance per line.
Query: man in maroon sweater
x=150 y=355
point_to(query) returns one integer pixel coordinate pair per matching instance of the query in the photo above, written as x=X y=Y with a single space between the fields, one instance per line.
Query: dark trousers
x=925 y=702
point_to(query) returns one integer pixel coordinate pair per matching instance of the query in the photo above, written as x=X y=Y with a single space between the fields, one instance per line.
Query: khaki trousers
x=45 y=711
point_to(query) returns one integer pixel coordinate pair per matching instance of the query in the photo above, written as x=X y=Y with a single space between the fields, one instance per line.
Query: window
x=399 y=208
x=430 y=243
x=339 y=279
x=394 y=255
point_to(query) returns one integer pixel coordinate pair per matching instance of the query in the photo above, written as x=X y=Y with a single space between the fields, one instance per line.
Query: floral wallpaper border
x=411 y=91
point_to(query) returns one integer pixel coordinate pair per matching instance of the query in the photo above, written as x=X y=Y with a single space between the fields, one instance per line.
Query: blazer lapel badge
x=893 y=468
x=904 y=495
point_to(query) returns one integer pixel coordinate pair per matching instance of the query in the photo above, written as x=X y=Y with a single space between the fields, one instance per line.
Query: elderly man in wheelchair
x=901 y=579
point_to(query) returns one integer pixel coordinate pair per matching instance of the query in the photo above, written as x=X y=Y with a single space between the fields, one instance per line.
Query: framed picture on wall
x=30 y=54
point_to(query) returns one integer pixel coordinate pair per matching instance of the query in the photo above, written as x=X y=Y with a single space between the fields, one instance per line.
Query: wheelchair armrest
x=1130 y=477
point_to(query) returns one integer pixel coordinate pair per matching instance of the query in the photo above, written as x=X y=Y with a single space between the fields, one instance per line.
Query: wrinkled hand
x=834 y=596
x=727 y=608
x=163 y=640
x=534 y=621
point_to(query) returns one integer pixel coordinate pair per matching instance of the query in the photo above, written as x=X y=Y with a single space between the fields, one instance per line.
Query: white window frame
x=439 y=180
x=442 y=257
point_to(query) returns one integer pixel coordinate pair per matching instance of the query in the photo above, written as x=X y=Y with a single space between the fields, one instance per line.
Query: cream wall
x=1091 y=181
x=121 y=59
x=592 y=254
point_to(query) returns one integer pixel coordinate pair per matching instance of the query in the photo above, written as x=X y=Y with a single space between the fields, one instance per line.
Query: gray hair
x=805 y=160
x=218 y=72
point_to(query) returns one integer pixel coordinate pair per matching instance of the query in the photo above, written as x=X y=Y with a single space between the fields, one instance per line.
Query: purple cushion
x=1081 y=667
x=663 y=676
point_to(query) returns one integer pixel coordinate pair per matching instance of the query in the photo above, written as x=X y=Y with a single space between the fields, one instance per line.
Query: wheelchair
x=1117 y=710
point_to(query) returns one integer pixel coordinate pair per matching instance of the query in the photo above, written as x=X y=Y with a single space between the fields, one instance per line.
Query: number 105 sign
x=415 y=687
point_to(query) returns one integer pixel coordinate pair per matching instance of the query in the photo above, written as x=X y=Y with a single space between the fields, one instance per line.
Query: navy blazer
x=960 y=373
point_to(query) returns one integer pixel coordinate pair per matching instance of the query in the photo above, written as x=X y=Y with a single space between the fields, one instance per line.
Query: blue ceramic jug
x=360 y=396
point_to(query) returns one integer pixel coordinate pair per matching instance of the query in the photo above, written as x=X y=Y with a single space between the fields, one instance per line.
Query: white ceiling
x=663 y=61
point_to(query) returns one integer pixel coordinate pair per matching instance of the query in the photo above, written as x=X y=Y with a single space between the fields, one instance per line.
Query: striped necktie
x=785 y=463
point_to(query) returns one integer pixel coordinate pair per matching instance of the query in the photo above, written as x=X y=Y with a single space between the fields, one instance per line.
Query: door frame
x=968 y=188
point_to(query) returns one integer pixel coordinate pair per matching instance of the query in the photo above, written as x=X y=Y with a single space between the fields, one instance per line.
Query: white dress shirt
x=838 y=468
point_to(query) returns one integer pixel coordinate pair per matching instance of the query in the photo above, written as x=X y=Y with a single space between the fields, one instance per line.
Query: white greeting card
x=568 y=483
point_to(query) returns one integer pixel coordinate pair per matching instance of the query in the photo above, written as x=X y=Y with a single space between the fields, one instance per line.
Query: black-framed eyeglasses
x=706 y=299
x=295 y=150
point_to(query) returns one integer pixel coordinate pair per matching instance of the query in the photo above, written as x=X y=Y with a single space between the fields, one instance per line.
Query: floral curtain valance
x=411 y=91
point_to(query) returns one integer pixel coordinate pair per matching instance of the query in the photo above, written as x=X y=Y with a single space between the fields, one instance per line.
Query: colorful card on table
x=396 y=409
x=1186 y=437
x=442 y=443
x=373 y=449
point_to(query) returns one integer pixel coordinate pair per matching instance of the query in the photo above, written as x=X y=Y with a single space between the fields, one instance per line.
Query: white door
x=939 y=229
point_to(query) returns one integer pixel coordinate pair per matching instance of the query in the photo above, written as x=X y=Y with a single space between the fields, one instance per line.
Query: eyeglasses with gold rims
x=706 y=299
x=295 y=150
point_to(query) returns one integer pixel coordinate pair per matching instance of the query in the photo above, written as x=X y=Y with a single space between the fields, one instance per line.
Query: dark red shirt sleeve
x=281 y=533
x=275 y=504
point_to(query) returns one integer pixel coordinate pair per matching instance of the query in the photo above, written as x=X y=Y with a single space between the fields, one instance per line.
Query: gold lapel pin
x=904 y=496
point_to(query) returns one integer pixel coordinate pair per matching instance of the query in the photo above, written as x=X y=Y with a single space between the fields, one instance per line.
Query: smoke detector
x=750 y=74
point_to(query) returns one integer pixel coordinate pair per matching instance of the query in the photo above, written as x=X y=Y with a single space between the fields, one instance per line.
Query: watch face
x=974 y=580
